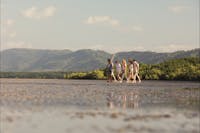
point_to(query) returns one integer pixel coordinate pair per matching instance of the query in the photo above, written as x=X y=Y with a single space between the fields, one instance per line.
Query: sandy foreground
x=74 y=106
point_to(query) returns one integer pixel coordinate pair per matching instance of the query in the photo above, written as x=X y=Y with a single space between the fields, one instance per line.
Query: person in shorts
x=124 y=70
x=130 y=71
x=110 y=71
x=118 y=70
x=136 y=69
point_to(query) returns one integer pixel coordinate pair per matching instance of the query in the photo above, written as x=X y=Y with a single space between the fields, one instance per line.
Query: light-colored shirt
x=136 y=66
x=131 y=67
x=118 y=67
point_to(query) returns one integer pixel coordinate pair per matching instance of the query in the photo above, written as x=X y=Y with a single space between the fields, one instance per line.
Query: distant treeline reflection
x=176 y=69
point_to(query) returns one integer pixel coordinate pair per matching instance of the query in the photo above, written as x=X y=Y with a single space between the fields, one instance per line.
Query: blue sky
x=114 y=25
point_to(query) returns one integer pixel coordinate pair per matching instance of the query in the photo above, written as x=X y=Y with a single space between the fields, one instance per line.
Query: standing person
x=130 y=70
x=124 y=69
x=118 y=70
x=110 y=70
x=136 y=68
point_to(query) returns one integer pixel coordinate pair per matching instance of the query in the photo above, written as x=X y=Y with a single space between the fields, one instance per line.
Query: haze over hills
x=25 y=60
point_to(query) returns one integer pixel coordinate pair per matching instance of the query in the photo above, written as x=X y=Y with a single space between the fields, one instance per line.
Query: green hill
x=30 y=60
x=154 y=58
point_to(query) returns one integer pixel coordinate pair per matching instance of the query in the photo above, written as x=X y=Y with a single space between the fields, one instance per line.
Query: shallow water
x=51 y=105
x=98 y=94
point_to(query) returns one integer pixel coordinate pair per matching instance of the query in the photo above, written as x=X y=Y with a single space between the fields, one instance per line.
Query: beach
x=82 y=106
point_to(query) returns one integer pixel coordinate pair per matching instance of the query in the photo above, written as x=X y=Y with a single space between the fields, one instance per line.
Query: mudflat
x=80 y=106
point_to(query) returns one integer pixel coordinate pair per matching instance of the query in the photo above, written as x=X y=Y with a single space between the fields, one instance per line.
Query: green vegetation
x=97 y=74
x=176 y=69
x=34 y=75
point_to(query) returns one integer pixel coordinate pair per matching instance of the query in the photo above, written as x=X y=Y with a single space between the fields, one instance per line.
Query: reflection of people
x=124 y=67
x=125 y=100
x=110 y=71
x=136 y=71
x=133 y=100
x=110 y=100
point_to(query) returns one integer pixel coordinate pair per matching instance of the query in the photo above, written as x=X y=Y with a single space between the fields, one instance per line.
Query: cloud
x=15 y=44
x=35 y=13
x=108 y=20
x=139 y=48
x=102 y=20
x=97 y=47
x=137 y=28
x=9 y=22
x=174 y=47
x=178 y=8
x=7 y=30
x=8 y=33
x=12 y=34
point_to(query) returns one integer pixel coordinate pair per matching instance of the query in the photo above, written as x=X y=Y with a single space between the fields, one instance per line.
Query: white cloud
x=49 y=11
x=9 y=22
x=15 y=44
x=160 y=49
x=102 y=19
x=12 y=34
x=35 y=13
x=97 y=47
x=7 y=28
x=139 y=48
x=173 y=47
x=178 y=8
x=137 y=28
x=108 y=20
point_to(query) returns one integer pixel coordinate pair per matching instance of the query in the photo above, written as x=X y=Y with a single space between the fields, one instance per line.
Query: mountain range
x=30 y=60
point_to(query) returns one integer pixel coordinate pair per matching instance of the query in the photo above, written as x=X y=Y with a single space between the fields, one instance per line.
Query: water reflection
x=123 y=100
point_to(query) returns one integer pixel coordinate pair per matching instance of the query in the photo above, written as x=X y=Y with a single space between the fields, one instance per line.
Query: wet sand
x=82 y=106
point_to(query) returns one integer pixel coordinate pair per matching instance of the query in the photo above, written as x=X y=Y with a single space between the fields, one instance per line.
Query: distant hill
x=154 y=58
x=25 y=60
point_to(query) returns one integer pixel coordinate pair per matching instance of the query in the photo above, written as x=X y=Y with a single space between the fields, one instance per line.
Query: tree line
x=176 y=69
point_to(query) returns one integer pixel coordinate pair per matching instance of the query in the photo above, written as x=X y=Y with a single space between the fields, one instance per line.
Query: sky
x=110 y=25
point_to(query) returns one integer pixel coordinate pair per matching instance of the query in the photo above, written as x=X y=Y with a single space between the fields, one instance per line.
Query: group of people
x=119 y=71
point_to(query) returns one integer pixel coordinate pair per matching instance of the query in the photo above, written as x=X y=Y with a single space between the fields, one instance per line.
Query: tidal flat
x=82 y=106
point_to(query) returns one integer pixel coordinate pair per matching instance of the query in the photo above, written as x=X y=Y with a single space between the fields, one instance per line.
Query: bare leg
x=138 y=78
x=108 y=78
x=113 y=76
x=130 y=77
x=134 y=78
x=123 y=75
x=118 y=76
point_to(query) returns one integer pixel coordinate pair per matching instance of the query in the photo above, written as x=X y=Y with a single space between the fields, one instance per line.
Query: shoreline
x=101 y=80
